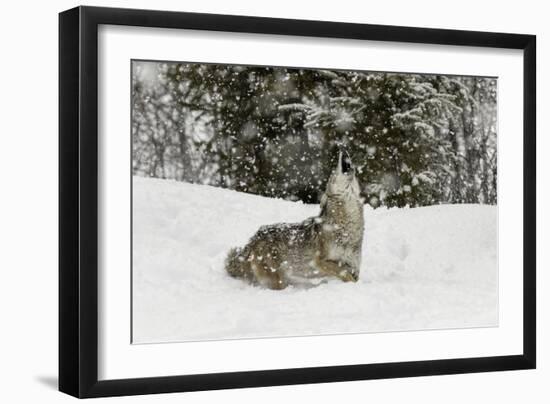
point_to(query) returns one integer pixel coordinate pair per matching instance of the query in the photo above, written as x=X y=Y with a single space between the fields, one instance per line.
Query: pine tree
x=415 y=139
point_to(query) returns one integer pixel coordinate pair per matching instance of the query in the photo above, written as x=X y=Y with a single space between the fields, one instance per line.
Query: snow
x=424 y=268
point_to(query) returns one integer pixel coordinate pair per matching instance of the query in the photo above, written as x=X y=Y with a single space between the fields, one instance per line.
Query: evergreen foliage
x=415 y=139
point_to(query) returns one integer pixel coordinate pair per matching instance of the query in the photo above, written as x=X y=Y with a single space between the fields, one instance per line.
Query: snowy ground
x=424 y=268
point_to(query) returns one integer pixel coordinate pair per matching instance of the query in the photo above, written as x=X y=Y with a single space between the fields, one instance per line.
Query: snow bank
x=424 y=268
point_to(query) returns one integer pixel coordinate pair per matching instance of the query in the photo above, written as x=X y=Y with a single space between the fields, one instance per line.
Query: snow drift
x=423 y=268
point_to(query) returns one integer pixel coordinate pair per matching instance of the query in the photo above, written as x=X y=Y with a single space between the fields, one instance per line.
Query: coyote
x=310 y=252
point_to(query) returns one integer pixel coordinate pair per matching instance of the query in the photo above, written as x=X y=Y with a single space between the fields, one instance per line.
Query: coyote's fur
x=328 y=245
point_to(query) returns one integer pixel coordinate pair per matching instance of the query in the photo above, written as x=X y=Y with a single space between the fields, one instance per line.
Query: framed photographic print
x=251 y=201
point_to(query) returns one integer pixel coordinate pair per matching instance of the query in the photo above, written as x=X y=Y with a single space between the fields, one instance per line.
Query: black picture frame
x=78 y=201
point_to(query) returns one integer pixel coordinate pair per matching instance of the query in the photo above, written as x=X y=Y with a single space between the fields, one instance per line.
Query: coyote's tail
x=236 y=265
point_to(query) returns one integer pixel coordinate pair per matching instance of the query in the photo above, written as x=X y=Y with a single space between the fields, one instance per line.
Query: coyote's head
x=342 y=181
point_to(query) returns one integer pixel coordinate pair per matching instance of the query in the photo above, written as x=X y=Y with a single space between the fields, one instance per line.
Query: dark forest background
x=415 y=139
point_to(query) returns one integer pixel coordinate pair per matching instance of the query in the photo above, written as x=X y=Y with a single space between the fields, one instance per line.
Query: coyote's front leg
x=339 y=269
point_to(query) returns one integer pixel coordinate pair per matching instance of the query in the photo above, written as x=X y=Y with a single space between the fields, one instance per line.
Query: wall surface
x=28 y=207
